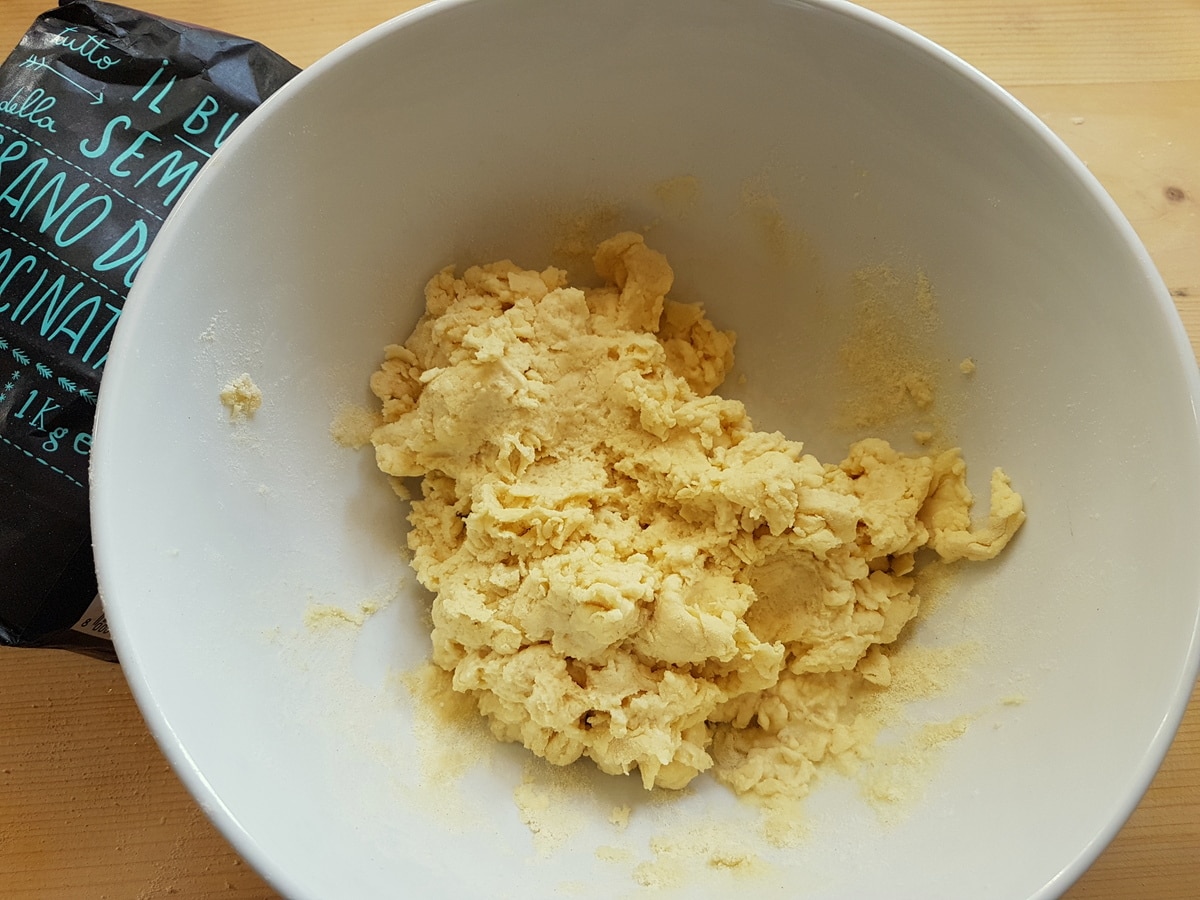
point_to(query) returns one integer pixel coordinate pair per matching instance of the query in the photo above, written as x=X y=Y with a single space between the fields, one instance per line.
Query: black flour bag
x=106 y=115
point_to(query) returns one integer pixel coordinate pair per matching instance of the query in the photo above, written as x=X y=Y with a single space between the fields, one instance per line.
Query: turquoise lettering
x=26 y=181
x=53 y=437
x=5 y=257
x=225 y=129
x=201 y=114
x=180 y=176
x=31 y=108
x=120 y=252
x=131 y=272
x=53 y=208
x=14 y=151
x=64 y=240
x=54 y=302
x=133 y=151
x=105 y=138
x=87 y=46
x=49 y=405
x=153 y=104
x=116 y=314
x=28 y=294
x=89 y=308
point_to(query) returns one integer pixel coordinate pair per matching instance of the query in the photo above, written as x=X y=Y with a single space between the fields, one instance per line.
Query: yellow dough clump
x=625 y=569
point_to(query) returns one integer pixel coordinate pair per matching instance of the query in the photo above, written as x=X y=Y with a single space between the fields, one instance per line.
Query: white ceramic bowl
x=463 y=132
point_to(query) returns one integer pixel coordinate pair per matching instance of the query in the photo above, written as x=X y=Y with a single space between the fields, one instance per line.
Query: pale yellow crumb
x=1014 y=699
x=577 y=234
x=697 y=851
x=548 y=803
x=924 y=438
x=432 y=686
x=678 y=195
x=352 y=426
x=783 y=243
x=925 y=299
x=967 y=366
x=938 y=733
x=242 y=397
x=783 y=825
x=320 y=616
x=620 y=816
x=400 y=488
x=896 y=775
x=732 y=859
x=613 y=854
x=886 y=359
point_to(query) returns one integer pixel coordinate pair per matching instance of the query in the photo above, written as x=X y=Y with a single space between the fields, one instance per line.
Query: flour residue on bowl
x=892 y=370
x=684 y=855
x=898 y=772
x=576 y=232
x=547 y=801
x=785 y=244
x=559 y=806
x=321 y=616
x=353 y=424
x=678 y=196
x=453 y=741
x=893 y=768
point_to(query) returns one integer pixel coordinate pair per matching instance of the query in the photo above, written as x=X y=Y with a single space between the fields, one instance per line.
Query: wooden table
x=88 y=805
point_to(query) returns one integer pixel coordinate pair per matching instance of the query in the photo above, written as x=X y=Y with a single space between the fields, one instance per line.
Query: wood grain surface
x=89 y=807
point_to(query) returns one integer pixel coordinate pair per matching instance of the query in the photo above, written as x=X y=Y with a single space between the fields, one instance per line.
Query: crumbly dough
x=241 y=397
x=623 y=568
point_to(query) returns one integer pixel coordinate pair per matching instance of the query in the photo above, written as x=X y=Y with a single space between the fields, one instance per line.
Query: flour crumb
x=731 y=859
x=241 y=397
x=1077 y=120
x=925 y=299
x=967 y=366
x=613 y=854
x=785 y=245
x=681 y=855
x=576 y=235
x=451 y=741
x=620 y=817
x=547 y=802
x=321 y=616
x=679 y=195
x=352 y=426
x=897 y=774
x=887 y=357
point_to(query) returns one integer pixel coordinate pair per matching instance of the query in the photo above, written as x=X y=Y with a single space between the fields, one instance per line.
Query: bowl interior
x=771 y=150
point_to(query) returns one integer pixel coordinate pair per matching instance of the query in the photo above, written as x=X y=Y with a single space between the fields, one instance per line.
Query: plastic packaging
x=106 y=115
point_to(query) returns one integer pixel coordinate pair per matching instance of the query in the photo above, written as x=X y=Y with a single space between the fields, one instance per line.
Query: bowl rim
x=156 y=717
